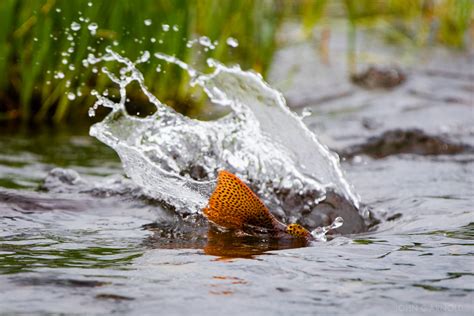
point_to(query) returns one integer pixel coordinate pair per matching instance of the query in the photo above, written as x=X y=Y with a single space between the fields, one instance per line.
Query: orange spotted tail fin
x=297 y=230
x=234 y=205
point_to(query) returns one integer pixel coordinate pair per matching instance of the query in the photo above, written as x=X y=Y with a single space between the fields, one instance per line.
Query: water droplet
x=89 y=4
x=64 y=61
x=75 y=26
x=92 y=28
x=158 y=68
x=165 y=27
x=175 y=28
x=232 y=42
x=35 y=39
x=147 y=22
x=338 y=222
x=152 y=39
x=305 y=113
x=71 y=96
x=320 y=232
x=71 y=67
x=205 y=41
x=58 y=10
x=357 y=159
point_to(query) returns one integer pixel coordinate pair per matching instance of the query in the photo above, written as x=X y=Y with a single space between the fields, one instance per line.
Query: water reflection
x=20 y=255
x=222 y=244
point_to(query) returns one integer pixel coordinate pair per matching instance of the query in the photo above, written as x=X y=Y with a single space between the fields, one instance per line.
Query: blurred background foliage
x=41 y=56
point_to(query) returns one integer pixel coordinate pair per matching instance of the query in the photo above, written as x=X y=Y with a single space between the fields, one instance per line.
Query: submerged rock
x=334 y=206
x=379 y=77
x=412 y=141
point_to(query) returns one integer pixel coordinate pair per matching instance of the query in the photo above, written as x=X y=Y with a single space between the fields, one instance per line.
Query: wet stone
x=113 y=297
x=413 y=141
x=196 y=172
x=376 y=77
x=302 y=207
x=333 y=206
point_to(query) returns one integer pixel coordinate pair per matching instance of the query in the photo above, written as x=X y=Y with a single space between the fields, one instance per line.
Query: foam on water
x=176 y=159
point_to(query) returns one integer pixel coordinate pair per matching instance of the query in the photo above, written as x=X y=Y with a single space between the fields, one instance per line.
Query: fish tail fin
x=234 y=205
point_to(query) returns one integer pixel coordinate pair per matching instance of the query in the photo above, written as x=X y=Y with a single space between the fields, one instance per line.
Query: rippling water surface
x=76 y=235
x=93 y=247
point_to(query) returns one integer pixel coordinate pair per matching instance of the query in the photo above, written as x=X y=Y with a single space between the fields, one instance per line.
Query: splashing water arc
x=176 y=158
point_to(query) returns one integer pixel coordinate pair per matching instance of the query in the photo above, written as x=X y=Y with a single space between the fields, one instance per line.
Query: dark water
x=84 y=239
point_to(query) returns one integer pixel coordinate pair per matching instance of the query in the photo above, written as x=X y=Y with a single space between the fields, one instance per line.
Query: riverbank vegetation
x=43 y=43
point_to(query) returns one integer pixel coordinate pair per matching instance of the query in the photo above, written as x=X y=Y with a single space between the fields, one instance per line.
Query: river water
x=77 y=236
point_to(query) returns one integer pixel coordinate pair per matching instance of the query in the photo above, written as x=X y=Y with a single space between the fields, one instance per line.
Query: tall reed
x=35 y=39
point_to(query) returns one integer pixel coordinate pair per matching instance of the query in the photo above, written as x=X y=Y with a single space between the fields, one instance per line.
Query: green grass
x=33 y=37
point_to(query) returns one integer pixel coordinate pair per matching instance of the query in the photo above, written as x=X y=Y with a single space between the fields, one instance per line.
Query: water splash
x=176 y=158
x=319 y=233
